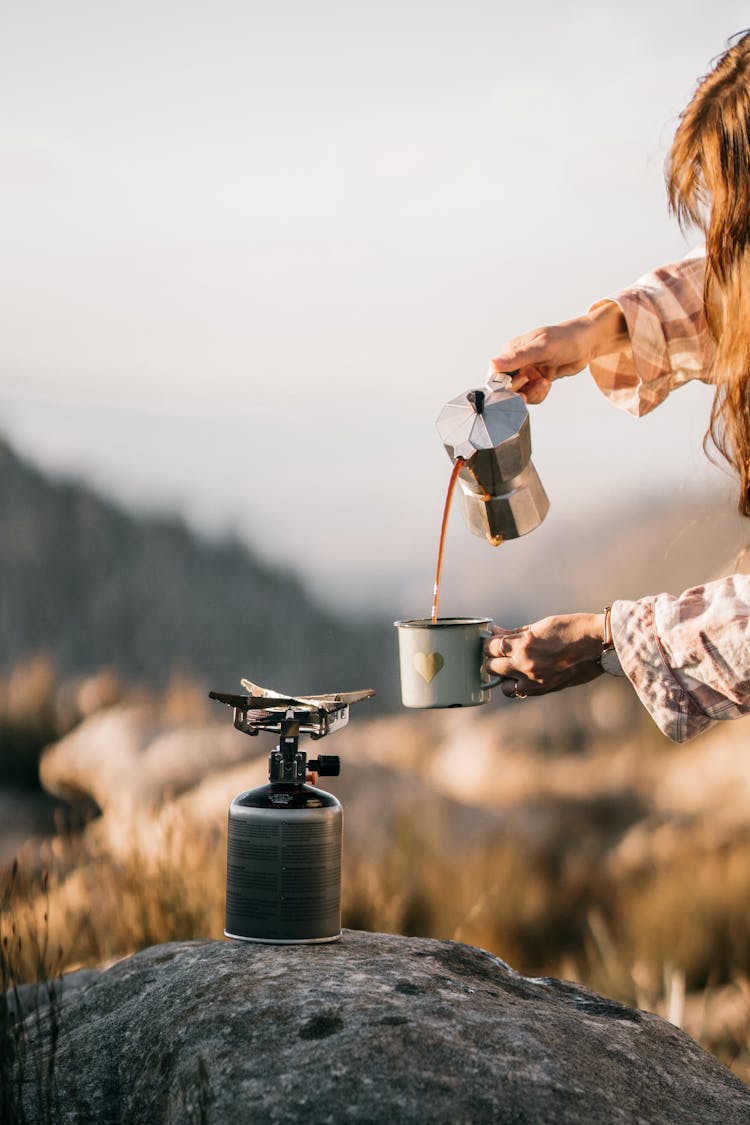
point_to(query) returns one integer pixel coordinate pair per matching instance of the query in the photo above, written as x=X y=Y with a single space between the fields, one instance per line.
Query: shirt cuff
x=668 y=341
x=636 y=376
x=644 y=662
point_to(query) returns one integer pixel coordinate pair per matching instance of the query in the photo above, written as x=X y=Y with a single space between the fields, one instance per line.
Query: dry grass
x=95 y=909
x=26 y=957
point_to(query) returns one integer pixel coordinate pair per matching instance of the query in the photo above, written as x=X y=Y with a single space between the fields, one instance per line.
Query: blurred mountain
x=94 y=586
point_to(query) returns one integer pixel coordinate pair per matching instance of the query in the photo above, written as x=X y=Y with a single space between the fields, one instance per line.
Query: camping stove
x=284 y=842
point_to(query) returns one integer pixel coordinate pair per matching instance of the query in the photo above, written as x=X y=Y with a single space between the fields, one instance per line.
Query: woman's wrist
x=608 y=327
x=594 y=629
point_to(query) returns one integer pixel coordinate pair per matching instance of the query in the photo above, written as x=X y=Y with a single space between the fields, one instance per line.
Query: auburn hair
x=708 y=182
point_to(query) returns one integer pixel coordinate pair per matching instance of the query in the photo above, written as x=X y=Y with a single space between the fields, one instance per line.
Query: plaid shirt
x=669 y=340
x=688 y=657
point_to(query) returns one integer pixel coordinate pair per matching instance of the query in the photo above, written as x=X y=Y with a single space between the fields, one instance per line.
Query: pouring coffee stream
x=443 y=527
x=487 y=435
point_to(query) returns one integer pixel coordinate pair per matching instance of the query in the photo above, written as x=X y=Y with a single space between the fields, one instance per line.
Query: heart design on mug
x=428 y=664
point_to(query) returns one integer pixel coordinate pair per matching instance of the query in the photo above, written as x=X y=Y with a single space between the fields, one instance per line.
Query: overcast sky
x=250 y=249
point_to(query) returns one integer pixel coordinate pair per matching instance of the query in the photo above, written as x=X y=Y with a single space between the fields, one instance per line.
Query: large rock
x=375 y=1028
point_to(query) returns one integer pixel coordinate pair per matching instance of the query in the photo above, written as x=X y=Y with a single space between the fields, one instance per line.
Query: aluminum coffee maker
x=284 y=843
x=489 y=430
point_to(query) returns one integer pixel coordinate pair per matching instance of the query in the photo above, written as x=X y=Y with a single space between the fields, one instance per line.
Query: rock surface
x=375 y=1028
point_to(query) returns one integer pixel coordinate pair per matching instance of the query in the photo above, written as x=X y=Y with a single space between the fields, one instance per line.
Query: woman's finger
x=501 y=644
x=524 y=351
x=536 y=390
x=517 y=687
x=519 y=381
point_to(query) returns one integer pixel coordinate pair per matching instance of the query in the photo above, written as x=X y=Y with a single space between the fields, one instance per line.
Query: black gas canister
x=284 y=844
x=284 y=865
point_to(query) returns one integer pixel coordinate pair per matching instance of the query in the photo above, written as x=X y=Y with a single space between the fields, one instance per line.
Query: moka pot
x=489 y=430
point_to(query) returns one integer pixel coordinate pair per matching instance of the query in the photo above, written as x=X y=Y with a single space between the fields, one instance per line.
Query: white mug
x=442 y=665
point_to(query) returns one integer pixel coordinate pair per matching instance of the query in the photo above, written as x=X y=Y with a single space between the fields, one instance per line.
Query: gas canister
x=284 y=843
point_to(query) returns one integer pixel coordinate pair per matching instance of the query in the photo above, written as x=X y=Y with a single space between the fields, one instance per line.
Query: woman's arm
x=639 y=343
x=687 y=657
x=545 y=354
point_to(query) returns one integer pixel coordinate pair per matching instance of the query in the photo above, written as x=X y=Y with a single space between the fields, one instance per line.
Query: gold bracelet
x=607 y=638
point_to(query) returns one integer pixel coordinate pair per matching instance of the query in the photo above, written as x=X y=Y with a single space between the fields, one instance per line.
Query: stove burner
x=284 y=838
x=265 y=709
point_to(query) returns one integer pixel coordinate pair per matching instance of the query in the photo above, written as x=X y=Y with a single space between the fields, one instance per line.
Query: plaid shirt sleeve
x=669 y=340
x=688 y=657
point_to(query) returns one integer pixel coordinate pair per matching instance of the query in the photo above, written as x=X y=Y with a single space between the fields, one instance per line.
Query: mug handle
x=494 y=681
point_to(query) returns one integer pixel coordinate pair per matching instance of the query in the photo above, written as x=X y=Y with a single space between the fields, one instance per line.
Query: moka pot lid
x=479 y=420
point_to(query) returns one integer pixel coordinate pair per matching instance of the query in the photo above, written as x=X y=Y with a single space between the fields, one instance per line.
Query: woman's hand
x=551 y=654
x=545 y=354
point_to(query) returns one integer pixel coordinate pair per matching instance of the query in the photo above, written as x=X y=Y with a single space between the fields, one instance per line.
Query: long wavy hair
x=708 y=182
